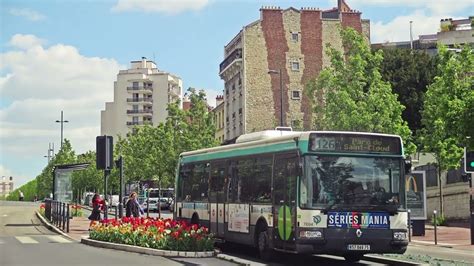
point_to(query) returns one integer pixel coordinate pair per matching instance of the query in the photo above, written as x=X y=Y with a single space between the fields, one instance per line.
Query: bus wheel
x=263 y=245
x=353 y=257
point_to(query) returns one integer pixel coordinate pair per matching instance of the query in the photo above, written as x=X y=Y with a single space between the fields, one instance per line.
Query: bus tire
x=352 y=258
x=263 y=246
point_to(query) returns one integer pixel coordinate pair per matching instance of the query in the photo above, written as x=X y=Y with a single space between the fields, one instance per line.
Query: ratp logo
x=316 y=219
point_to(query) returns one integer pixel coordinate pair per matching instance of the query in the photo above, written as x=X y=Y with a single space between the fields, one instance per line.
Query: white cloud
x=41 y=81
x=25 y=41
x=436 y=7
x=399 y=28
x=171 y=7
x=27 y=13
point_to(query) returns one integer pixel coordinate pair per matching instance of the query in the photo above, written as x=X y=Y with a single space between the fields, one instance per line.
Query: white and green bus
x=319 y=192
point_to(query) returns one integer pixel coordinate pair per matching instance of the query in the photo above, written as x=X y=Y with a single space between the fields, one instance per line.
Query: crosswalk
x=36 y=239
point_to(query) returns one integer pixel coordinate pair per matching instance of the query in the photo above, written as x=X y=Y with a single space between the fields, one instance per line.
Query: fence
x=58 y=214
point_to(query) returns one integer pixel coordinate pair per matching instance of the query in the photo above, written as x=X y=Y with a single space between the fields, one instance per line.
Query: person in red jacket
x=97 y=205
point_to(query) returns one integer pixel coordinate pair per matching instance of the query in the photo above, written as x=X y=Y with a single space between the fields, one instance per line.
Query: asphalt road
x=25 y=241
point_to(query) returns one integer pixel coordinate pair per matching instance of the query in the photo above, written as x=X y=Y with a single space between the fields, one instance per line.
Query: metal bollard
x=409 y=225
x=64 y=216
x=68 y=218
x=116 y=212
x=435 y=228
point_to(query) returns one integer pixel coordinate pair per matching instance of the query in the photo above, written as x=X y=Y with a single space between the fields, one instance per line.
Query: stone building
x=6 y=185
x=141 y=95
x=218 y=115
x=290 y=42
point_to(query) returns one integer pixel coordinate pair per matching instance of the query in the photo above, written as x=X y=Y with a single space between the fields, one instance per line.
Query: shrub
x=440 y=220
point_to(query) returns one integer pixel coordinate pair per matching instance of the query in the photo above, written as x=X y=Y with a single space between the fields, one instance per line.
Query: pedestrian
x=35 y=199
x=132 y=207
x=97 y=205
x=21 y=195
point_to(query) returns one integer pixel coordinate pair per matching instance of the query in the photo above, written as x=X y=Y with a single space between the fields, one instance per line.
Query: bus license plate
x=358 y=247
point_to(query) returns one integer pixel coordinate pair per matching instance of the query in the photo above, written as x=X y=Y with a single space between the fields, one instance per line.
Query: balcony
x=140 y=111
x=139 y=100
x=140 y=89
x=139 y=123
x=234 y=56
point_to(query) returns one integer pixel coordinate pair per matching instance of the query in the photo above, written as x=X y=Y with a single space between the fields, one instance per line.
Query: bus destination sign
x=354 y=143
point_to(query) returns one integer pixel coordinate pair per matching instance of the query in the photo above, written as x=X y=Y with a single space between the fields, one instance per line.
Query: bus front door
x=284 y=200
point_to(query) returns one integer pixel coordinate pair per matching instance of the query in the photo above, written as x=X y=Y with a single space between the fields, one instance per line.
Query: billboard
x=415 y=187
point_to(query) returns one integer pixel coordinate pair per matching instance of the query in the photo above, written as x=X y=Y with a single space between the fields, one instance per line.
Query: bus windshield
x=351 y=183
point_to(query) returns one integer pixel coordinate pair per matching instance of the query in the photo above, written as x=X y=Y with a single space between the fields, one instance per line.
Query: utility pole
x=411 y=35
x=62 y=121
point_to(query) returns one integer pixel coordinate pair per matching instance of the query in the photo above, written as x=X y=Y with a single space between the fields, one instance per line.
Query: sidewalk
x=448 y=236
x=78 y=227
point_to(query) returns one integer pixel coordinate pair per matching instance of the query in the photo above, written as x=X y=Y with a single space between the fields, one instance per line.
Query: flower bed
x=163 y=234
x=76 y=210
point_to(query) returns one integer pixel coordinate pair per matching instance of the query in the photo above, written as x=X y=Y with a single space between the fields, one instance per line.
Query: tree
x=89 y=179
x=350 y=94
x=448 y=111
x=409 y=73
x=28 y=189
x=65 y=155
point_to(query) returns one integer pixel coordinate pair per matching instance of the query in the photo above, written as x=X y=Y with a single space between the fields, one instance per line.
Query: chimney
x=143 y=62
x=219 y=99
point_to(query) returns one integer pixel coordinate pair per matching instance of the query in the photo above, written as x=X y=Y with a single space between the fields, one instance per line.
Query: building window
x=240 y=111
x=135 y=119
x=233 y=115
x=295 y=66
x=295 y=36
x=135 y=84
x=135 y=107
x=296 y=94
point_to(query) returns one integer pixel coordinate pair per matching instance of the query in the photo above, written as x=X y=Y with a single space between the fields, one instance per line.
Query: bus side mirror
x=407 y=166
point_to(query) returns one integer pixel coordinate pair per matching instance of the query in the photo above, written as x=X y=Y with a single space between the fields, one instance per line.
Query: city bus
x=338 y=193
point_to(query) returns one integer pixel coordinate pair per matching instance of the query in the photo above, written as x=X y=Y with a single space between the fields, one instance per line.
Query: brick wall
x=277 y=47
x=352 y=19
x=312 y=49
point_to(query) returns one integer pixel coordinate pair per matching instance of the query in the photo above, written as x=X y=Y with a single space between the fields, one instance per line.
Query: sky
x=65 y=55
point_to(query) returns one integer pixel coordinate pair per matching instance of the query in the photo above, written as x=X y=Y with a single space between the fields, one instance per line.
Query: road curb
x=147 y=251
x=53 y=228
x=391 y=261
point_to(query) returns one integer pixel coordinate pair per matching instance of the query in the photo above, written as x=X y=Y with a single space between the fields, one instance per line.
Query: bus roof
x=287 y=139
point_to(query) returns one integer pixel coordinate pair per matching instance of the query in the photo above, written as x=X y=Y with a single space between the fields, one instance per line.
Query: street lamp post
x=281 y=93
x=62 y=121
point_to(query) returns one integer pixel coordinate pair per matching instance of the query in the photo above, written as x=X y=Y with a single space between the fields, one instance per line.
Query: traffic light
x=468 y=161
x=104 y=152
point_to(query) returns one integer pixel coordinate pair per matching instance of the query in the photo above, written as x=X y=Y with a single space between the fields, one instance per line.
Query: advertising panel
x=416 y=194
x=239 y=218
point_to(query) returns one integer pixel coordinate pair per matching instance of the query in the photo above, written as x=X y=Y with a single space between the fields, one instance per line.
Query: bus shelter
x=62 y=180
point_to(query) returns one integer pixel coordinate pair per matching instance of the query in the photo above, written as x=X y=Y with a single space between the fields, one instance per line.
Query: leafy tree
x=351 y=95
x=448 y=110
x=65 y=155
x=409 y=73
x=89 y=179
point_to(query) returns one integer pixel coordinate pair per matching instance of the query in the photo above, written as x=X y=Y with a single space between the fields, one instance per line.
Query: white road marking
x=59 y=239
x=26 y=240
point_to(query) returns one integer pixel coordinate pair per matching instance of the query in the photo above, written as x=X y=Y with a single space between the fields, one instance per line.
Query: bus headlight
x=400 y=236
x=314 y=234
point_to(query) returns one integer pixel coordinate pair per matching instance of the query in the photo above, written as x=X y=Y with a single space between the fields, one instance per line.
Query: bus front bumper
x=343 y=241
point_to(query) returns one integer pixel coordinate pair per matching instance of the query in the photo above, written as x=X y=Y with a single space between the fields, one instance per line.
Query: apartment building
x=291 y=44
x=218 y=116
x=451 y=33
x=6 y=185
x=141 y=96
